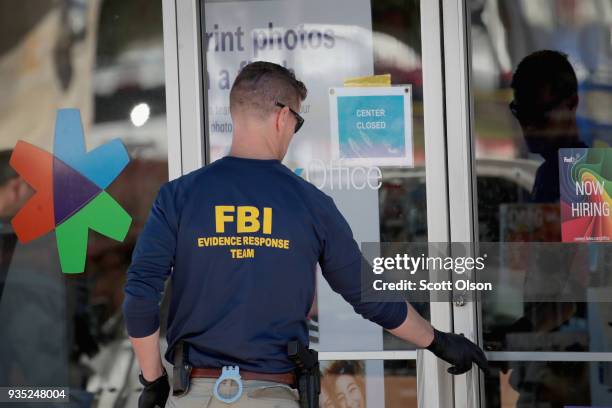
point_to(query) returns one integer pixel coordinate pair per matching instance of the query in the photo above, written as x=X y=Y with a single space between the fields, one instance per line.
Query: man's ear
x=281 y=118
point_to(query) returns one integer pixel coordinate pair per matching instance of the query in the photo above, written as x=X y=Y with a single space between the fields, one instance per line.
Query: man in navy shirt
x=241 y=239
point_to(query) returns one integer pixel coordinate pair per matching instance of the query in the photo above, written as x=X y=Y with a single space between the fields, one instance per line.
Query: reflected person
x=545 y=89
x=44 y=315
x=545 y=103
x=33 y=346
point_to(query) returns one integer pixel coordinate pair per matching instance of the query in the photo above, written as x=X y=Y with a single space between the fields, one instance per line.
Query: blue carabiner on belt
x=231 y=373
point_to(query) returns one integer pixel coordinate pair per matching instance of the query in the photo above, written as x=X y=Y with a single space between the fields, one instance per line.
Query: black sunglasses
x=300 y=120
x=533 y=116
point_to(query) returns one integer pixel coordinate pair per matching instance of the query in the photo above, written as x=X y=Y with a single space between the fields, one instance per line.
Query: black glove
x=458 y=351
x=155 y=393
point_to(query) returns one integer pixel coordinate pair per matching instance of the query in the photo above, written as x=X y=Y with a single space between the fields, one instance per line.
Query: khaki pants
x=255 y=394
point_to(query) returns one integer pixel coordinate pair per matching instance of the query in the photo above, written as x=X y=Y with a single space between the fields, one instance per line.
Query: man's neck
x=246 y=153
x=252 y=145
x=571 y=140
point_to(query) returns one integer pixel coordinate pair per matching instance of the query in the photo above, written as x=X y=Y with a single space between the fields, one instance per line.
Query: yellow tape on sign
x=373 y=80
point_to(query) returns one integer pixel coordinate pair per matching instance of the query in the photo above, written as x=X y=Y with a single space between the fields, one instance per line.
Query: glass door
x=386 y=194
x=534 y=109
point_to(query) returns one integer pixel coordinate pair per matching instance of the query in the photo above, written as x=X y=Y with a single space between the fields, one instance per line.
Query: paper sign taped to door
x=372 y=125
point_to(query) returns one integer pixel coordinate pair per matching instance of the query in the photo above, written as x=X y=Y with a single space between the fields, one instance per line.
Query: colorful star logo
x=70 y=196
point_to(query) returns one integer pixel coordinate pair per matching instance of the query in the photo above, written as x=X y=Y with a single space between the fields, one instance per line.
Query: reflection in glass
x=538 y=67
x=549 y=384
x=104 y=58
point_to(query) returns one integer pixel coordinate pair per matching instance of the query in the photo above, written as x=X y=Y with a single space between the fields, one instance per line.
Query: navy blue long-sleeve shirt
x=240 y=239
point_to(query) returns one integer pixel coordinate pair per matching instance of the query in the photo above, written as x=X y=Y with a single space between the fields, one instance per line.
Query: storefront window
x=541 y=84
x=105 y=59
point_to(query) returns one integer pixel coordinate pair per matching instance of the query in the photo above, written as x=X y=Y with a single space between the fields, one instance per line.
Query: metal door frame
x=435 y=386
x=461 y=168
x=186 y=114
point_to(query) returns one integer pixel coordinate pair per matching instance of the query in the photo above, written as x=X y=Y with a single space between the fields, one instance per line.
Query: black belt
x=283 y=378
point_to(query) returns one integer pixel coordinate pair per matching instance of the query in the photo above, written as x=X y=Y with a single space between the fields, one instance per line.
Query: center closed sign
x=372 y=125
